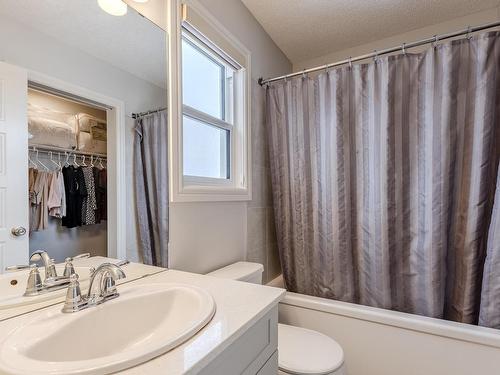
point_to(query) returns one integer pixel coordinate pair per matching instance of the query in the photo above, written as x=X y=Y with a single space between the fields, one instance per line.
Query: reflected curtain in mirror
x=151 y=187
x=384 y=179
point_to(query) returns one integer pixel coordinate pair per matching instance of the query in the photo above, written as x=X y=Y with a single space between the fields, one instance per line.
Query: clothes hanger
x=35 y=165
x=47 y=169
x=75 y=163
x=52 y=160
x=83 y=161
x=100 y=163
x=66 y=163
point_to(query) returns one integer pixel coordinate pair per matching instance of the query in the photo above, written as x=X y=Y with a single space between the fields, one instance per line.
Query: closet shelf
x=47 y=149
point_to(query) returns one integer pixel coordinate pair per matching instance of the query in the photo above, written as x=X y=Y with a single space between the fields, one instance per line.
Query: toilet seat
x=306 y=352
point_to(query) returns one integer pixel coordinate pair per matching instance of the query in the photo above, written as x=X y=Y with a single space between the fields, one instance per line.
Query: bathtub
x=383 y=342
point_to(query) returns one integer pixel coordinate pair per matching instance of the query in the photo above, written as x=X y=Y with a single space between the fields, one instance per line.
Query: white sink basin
x=142 y=323
x=13 y=285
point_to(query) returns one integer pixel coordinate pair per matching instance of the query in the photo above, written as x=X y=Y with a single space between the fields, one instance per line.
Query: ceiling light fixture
x=113 y=7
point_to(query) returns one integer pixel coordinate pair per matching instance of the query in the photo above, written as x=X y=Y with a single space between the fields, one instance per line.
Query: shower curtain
x=151 y=187
x=384 y=181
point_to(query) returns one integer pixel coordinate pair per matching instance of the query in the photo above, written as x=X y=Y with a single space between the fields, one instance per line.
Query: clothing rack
x=402 y=48
x=66 y=151
x=141 y=114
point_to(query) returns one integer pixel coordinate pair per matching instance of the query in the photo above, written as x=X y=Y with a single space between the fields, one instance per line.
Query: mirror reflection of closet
x=67 y=173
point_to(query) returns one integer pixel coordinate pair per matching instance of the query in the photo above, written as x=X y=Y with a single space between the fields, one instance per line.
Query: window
x=213 y=116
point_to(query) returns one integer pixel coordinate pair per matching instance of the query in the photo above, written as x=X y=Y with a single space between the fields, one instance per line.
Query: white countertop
x=238 y=306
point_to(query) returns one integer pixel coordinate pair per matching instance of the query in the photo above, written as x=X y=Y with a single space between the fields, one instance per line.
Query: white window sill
x=211 y=194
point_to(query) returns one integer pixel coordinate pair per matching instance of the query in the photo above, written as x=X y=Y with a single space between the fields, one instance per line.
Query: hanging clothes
x=82 y=195
x=57 y=196
x=77 y=195
x=98 y=193
x=32 y=173
x=75 y=192
x=38 y=198
x=89 y=207
x=101 y=184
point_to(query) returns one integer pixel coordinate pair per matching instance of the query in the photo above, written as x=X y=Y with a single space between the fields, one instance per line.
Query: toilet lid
x=303 y=351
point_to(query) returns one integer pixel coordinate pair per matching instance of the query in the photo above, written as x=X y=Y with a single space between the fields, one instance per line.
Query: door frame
x=116 y=184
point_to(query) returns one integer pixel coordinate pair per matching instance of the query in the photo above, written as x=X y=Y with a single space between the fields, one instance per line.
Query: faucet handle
x=74 y=301
x=68 y=267
x=34 y=284
x=18 y=267
x=81 y=256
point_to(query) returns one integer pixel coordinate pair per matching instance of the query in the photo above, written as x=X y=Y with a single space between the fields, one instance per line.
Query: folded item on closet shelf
x=51 y=133
x=98 y=132
x=86 y=122
x=88 y=144
x=51 y=114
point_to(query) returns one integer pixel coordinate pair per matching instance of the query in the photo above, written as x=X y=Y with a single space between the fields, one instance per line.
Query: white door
x=14 y=246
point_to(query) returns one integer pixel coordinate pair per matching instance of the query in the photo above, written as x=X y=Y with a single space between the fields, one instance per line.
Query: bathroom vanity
x=163 y=321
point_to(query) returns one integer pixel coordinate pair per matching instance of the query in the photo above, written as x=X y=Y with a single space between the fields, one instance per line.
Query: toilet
x=300 y=351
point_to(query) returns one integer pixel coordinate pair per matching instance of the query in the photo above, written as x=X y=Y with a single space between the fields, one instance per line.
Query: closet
x=67 y=176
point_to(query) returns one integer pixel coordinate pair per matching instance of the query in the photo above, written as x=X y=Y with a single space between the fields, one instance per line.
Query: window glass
x=203 y=81
x=205 y=149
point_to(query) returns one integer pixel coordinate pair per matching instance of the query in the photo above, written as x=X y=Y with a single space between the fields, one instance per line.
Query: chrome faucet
x=35 y=286
x=102 y=288
x=48 y=263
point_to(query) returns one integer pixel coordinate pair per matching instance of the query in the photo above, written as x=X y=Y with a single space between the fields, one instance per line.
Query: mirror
x=71 y=78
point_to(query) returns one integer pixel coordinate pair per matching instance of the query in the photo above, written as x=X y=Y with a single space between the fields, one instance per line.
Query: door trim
x=116 y=192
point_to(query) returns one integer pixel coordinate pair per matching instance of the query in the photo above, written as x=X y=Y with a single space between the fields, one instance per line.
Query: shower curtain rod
x=375 y=54
x=137 y=115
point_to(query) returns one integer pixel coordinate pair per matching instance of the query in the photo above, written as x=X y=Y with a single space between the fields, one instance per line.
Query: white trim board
x=179 y=191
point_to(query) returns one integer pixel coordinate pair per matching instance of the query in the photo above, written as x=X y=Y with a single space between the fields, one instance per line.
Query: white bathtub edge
x=431 y=326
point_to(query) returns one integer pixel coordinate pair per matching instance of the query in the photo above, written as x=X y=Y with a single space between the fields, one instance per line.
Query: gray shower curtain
x=151 y=187
x=384 y=180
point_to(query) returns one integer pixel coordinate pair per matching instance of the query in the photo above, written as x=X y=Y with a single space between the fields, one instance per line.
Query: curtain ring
x=327 y=68
x=469 y=33
x=403 y=48
x=350 y=62
x=375 y=57
x=436 y=40
x=304 y=75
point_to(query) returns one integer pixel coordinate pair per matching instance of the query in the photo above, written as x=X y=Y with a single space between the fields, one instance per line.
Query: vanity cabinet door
x=271 y=366
x=14 y=246
x=251 y=352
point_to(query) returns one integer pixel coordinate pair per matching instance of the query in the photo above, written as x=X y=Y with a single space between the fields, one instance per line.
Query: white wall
x=460 y=23
x=205 y=236
x=20 y=45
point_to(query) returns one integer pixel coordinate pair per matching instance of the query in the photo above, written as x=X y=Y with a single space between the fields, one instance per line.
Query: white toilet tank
x=241 y=271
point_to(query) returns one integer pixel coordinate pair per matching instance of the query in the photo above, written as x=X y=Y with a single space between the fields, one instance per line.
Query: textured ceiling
x=131 y=43
x=305 y=29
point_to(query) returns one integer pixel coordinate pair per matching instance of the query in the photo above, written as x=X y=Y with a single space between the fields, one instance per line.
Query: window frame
x=194 y=188
x=208 y=119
